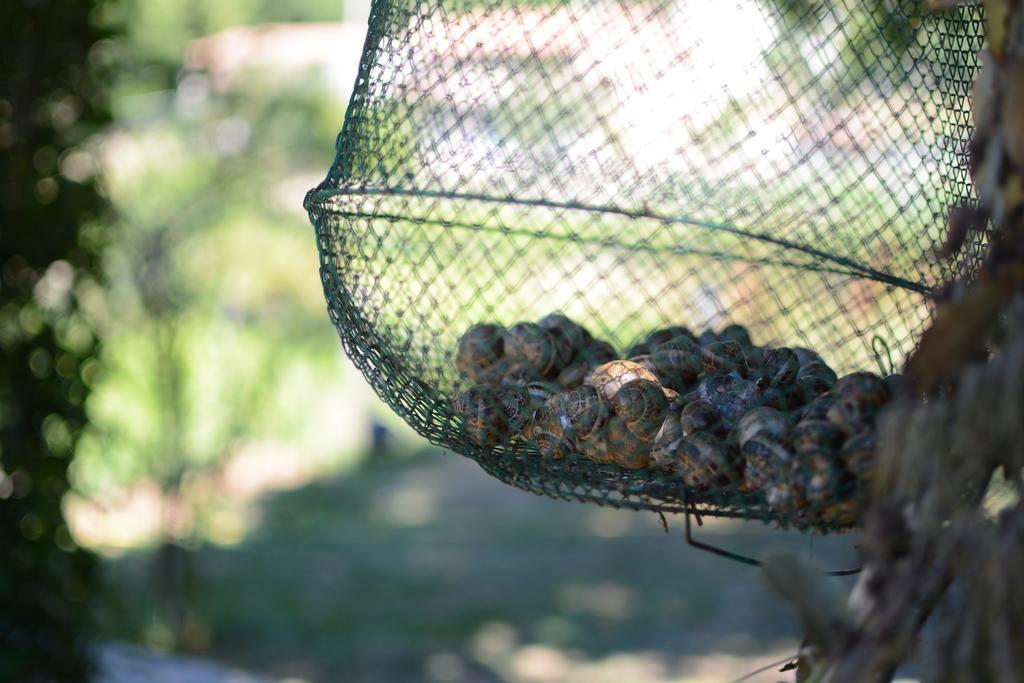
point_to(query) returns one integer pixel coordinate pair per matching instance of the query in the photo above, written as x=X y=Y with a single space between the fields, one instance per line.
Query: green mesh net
x=785 y=165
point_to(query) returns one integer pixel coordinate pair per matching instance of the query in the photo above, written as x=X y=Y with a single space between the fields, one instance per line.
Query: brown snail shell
x=480 y=347
x=639 y=349
x=858 y=453
x=813 y=386
x=780 y=366
x=641 y=404
x=531 y=343
x=516 y=404
x=762 y=420
x=609 y=377
x=818 y=369
x=785 y=496
x=736 y=333
x=707 y=461
x=817 y=409
x=549 y=430
x=677 y=363
x=518 y=372
x=597 y=352
x=755 y=359
x=625 y=448
x=724 y=357
x=664 y=454
x=773 y=397
x=587 y=411
x=816 y=435
x=853 y=412
x=483 y=415
x=841 y=513
x=595 y=448
x=699 y=416
x=793 y=395
x=572 y=376
x=823 y=477
x=768 y=461
x=729 y=395
x=575 y=334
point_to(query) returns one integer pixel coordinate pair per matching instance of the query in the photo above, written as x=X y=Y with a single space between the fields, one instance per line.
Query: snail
x=706 y=337
x=816 y=435
x=587 y=411
x=660 y=337
x=641 y=404
x=609 y=377
x=625 y=448
x=666 y=444
x=572 y=376
x=755 y=359
x=483 y=415
x=677 y=363
x=858 y=454
x=724 y=357
x=595 y=448
x=479 y=348
x=549 y=430
x=817 y=409
x=576 y=336
x=780 y=366
x=769 y=467
x=704 y=460
x=729 y=395
x=818 y=369
x=529 y=342
x=806 y=356
x=518 y=409
x=736 y=333
x=853 y=411
x=773 y=397
x=699 y=416
x=518 y=372
x=762 y=420
x=822 y=476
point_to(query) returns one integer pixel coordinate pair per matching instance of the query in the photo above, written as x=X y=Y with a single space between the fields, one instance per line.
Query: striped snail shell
x=853 y=412
x=641 y=404
x=780 y=366
x=624 y=447
x=705 y=460
x=549 y=430
x=516 y=404
x=708 y=336
x=659 y=337
x=483 y=415
x=587 y=411
x=823 y=477
x=724 y=357
x=773 y=397
x=729 y=395
x=806 y=356
x=574 y=334
x=529 y=342
x=816 y=435
x=573 y=376
x=817 y=409
x=479 y=348
x=664 y=453
x=699 y=416
x=759 y=421
x=519 y=372
x=818 y=369
x=609 y=377
x=858 y=454
x=768 y=460
x=677 y=362
x=597 y=352
x=736 y=333
x=595 y=448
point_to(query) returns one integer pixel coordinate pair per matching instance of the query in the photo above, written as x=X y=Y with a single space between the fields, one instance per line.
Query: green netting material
x=787 y=165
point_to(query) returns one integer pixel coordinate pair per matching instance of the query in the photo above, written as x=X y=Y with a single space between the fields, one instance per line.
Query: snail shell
x=664 y=454
x=768 y=461
x=587 y=411
x=597 y=352
x=708 y=336
x=677 y=362
x=483 y=415
x=793 y=395
x=608 y=378
x=755 y=359
x=707 y=461
x=595 y=448
x=541 y=392
x=699 y=416
x=729 y=395
x=549 y=430
x=642 y=405
x=529 y=342
x=724 y=357
x=780 y=366
x=761 y=421
x=516 y=404
x=817 y=409
x=868 y=386
x=824 y=478
x=519 y=372
x=639 y=349
x=572 y=376
x=736 y=333
x=575 y=334
x=625 y=448
x=813 y=386
x=806 y=355
x=858 y=453
x=479 y=348
x=785 y=496
x=659 y=337
x=842 y=512
x=774 y=397
x=816 y=435
x=853 y=412
x=818 y=369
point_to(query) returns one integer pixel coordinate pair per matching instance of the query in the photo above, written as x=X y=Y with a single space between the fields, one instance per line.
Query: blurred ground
x=426 y=569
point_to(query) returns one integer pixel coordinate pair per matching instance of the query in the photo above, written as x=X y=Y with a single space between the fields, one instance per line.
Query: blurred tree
x=51 y=98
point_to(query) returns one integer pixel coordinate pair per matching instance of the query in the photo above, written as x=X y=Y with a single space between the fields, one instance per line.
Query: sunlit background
x=255 y=506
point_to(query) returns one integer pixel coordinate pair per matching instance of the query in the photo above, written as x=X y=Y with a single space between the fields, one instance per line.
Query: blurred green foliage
x=52 y=98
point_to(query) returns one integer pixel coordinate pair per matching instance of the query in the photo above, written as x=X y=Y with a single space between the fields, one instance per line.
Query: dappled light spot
x=540 y=664
x=444 y=667
x=494 y=639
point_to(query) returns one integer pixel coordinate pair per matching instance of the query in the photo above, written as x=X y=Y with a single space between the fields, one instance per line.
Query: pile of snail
x=714 y=411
